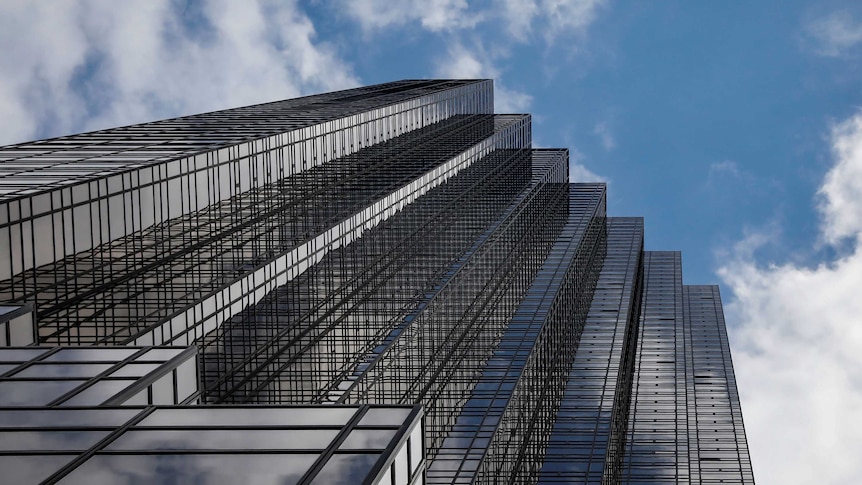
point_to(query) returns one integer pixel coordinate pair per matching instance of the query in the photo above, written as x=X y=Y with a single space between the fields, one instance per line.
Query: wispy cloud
x=568 y=17
x=834 y=35
x=841 y=192
x=603 y=131
x=520 y=18
x=578 y=172
x=433 y=15
x=463 y=62
x=89 y=65
x=459 y=20
x=725 y=167
x=796 y=348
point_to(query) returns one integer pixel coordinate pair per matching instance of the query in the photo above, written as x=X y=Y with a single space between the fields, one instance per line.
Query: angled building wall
x=391 y=245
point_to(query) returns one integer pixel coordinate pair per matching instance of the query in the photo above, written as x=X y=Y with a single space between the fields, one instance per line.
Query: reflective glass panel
x=65 y=417
x=224 y=439
x=368 y=439
x=33 y=393
x=63 y=370
x=217 y=469
x=49 y=440
x=249 y=417
x=90 y=354
x=346 y=469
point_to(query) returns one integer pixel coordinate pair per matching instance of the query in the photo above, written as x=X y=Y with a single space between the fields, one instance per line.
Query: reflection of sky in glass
x=224 y=439
x=62 y=370
x=166 y=469
x=91 y=354
x=368 y=439
x=21 y=469
x=258 y=416
x=384 y=417
x=20 y=355
x=49 y=440
x=33 y=393
x=346 y=469
x=37 y=418
x=134 y=370
x=161 y=355
x=99 y=392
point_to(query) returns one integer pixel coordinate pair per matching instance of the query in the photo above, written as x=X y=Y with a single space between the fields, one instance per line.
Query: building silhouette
x=386 y=284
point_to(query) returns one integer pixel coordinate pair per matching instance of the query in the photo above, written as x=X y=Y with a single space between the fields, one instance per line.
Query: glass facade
x=272 y=445
x=386 y=284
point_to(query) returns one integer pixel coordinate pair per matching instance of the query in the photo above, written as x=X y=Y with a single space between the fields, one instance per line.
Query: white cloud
x=728 y=167
x=580 y=173
x=797 y=343
x=835 y=34
x=841 y=192
x=89 y=65
x=459 y=19
x=552 y=17
x=605 y=136
x=462 y=62
x=433 y=15
x=518 y=16
x=568 y=17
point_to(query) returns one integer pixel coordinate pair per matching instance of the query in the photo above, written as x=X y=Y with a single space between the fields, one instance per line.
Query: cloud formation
x=518 y=17
x=606 y=137
x=580 y=173
x=433 y=15
x=834 y=35
x=460 y=19
x=841 y=192
x=461 y=62
x=84 y=65
x=797 y=344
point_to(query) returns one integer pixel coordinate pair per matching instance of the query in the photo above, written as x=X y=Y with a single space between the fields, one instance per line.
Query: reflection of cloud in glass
x=377 y=439
x=63 y=370
x=186 y=469
x=31 y=468
x=49 y=440
x=33 y=393
x=346 y=469
x=261 y=416
x=224 y=439
x=37 y=418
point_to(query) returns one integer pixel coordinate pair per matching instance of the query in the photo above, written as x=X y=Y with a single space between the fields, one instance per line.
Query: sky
x=734 y=128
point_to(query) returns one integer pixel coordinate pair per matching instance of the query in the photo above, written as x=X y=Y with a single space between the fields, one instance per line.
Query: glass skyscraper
x=383 y=285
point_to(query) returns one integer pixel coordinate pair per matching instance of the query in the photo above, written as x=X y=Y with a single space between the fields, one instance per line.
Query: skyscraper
x=394 y=262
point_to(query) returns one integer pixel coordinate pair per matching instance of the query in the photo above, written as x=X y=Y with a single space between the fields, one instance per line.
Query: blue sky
x=734 y=128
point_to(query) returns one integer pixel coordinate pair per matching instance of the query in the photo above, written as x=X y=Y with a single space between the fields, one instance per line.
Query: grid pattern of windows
x=503 y=426
x=719 y=450
x=390 y=245
x=436 y=357
x=306 y=335
x=657 y=438
x=685 y=424
x=586 y=444
x=95 y=376
x=285 y=445
x=63 y=196
x=177 y=286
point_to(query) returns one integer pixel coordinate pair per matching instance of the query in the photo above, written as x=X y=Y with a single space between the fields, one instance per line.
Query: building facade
x=397 y=257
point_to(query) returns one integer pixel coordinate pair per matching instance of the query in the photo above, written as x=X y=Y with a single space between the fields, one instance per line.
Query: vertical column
x=657 y=449
x=718 y=450
x=589 y=428
x=504 y=426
